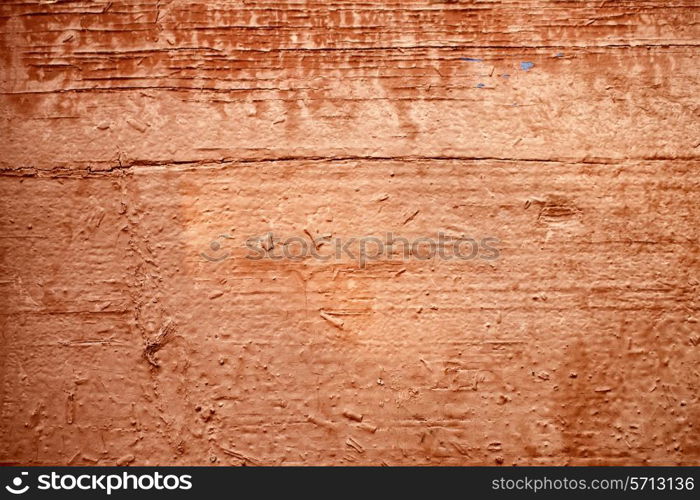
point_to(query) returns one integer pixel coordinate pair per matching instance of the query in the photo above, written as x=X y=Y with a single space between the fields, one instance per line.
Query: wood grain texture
x=135 y=134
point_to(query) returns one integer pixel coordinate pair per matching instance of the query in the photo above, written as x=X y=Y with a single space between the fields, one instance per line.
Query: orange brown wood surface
x=143 y=140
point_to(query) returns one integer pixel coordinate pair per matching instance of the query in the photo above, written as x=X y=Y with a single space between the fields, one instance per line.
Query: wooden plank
x=586 y=316
x=144 y=143
x=589 y=106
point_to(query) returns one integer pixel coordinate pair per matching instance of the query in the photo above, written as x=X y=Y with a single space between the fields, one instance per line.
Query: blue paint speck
x=505 y=75
x=471 y=59
x=526 y=65
x=560 y=54
x=480 y=85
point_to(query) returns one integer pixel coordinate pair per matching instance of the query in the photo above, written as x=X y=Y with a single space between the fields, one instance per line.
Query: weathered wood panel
x=142 y=141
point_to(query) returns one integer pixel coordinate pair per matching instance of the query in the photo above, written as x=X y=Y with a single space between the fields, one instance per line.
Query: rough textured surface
x=135 y=133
